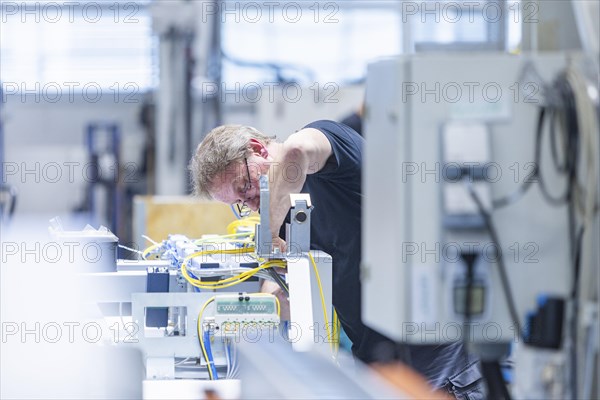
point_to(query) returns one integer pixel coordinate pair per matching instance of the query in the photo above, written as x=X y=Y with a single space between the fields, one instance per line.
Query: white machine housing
x=409 y=276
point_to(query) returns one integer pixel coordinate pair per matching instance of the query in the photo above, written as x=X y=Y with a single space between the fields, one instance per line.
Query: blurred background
x=105 y=100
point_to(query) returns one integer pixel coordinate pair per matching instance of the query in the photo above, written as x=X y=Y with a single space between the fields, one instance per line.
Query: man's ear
x=258 y=148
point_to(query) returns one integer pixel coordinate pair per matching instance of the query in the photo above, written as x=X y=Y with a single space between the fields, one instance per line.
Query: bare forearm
x=288 y=177
x=305 y=152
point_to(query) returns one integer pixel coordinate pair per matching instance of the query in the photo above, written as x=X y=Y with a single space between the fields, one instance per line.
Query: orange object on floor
x=408 y=381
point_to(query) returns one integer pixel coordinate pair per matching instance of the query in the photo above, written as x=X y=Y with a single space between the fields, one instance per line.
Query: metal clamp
x=263 y=237
x=298 y=231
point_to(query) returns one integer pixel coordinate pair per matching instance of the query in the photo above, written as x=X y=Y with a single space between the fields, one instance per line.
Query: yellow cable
x=329 y=336
x=222 y=286
x=153 y=247
x=217 y=237
x=200 y=336
x=207 y=252
x=225 y=241
x=150 y=249
x=200 y=333
x=224 y=283
x=249 y=222
x=336 y=334
x=234 y=251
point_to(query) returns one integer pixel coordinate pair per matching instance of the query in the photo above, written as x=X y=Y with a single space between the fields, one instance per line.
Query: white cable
x=150 y=240
x=228 y=359
x=234 y=362
x=132 y=250
x=183 y=361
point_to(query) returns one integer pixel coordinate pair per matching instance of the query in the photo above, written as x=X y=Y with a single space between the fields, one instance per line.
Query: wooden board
x=159 y=216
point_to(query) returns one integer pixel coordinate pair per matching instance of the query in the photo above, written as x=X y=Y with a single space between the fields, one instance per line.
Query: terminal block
x=236 y=312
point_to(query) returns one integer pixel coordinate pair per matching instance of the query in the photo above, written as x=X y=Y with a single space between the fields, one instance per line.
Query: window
x=71 y=45
x=334 y=41
x=311 y=41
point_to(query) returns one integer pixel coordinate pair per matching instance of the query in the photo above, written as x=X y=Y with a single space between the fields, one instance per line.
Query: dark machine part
x=157 y=281
x=148 y=121
x=212 y=107
x=103 y=142
x=544 y=326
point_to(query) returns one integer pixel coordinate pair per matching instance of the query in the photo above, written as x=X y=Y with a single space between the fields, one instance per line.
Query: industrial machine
x=484 y=168
x=189 y=303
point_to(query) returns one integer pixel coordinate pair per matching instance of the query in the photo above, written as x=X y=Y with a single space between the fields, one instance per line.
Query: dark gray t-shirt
x=336 y=194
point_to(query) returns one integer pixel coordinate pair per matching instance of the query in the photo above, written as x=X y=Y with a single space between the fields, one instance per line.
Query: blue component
x=542 y=299
x=527 y=326
x=234 y=212
x=196 y=289
x=157 y=281
x=507 y=374
x=210 y=361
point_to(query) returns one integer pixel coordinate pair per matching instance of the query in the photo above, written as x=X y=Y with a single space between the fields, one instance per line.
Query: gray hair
x=221 y=146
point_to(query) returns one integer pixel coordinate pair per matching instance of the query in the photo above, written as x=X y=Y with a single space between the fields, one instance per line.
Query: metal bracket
x=263 y=237
x=298 y=231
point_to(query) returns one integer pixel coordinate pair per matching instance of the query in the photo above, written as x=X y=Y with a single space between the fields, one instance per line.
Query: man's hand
x=279 y=243
x=274 y=289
